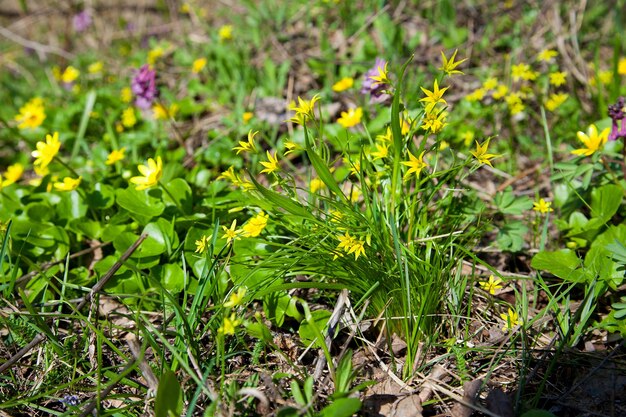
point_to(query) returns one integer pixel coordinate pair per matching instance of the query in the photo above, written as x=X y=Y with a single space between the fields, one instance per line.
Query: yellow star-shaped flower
x=433 y=97
x=272 y=163
x=481 y=154
x=416 y=165
x=449 y=66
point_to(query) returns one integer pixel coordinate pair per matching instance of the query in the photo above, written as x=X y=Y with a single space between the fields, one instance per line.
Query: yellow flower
x=434 y=122
x=416 y=165
x=523 y=71
x=46 y=151
x=343 y=84
x=291 y=147
x=13 y=174
x=235 y=298
x=621 y=66
x=316 y=184
x=492 y=285
x=443 y=145
x=155 y=54
x=229 y=325
x=70 y=75
x=557 y=78
x=605 y=76
x=128 y=118
x=96 y=67
x=555 y=100
x=387 y=137
x=232 y=233
x=449 y=66
x=516 y=108
x=467 y=137
x=350 y=118
x=592 y=140
x=229 y=175
x=248 y=146
x=511 y=319
x=355 y=193
x=115 y=155
x=32 y=114
x=481 y=153
x=160 y=112
x=382 y=150
x=150 y=174
x=246 y=116
x=501 y=91
x=126 y=95
x=68 y=184
x=255 y=225
x=542 y=206
x=547 y=55
x=405 y=124
x=272 y=163
x=433 y=97
x=355 y=167
x=490 y=83
x=202 y=244
x=304 y=110
x=198 y=65
x=382 y=77
x=358 y=248
x=476 y=95
x=350 y=244
x=225 y=32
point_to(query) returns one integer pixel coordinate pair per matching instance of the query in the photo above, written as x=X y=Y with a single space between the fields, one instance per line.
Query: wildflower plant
x=382 y=225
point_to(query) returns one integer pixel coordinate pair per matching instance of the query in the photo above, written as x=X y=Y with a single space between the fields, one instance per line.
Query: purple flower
x=375 y=90
x=616 y=113
x=144 y=87
x=82 y=21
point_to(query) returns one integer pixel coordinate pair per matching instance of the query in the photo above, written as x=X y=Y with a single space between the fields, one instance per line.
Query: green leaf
x=605 y=201
x=39 y=212
x=141 y=206
x=71 y=206
x=307 y=332
x=507 y=203
x=561 y=263
x=342 y=407
x=279 y=201
x=162 y=231
x=169 y=400
x=148 y=248
x=259 y=331
x=102 y=196
x=172 y=277
x=511 y=236
x=180 y=190
x=90 y=228
x=275 y=305
x=344 y=374
x=288 y=412
x=323 y=172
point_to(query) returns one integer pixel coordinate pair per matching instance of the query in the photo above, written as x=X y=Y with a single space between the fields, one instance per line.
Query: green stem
x=69 y=168
x=171 y=196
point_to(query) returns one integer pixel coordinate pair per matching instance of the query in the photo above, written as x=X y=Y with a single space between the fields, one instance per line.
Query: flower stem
x=171 y=196
x=69 y=168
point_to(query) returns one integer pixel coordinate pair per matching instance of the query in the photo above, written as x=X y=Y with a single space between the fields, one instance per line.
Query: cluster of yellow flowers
x=252 y=228
x=522 y=76
x=351 y=244
x=32 y=114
